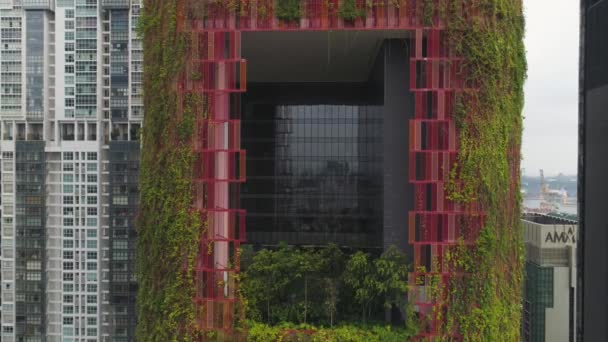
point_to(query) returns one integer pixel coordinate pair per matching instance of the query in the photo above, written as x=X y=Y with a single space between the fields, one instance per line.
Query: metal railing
x=115 y=3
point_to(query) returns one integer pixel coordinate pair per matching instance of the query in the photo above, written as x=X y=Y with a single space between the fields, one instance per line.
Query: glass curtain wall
x=314 y=174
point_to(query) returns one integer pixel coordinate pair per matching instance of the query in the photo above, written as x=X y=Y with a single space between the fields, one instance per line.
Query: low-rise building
x=550 y=279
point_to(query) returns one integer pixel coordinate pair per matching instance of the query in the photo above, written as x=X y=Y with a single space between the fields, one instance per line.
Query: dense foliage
x=350 y=11
x=485 y=304
x=288 y=10
x=259 y=332
x=166 y=225
x=324 y=286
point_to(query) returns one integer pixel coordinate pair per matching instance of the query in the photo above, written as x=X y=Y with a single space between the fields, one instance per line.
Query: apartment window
x=68 y=188
x=69 y=24
x=68 y=266
x=86 y=22
x=68 y=233
x=69 y=91
x=92 y=178
x=91 y=233
x=68 y=287
x=119 y=255
x=69 y=69
x=67 y=320
x=34 y=276
x=119 y=244
x=68 y=199
x=91 y=287
x=34 y=265
x=69 y=35
x=91 y=266
x=68 y=309
x=69 y=13
x=92 y=255
x=91 y=221
x=91 y=155
x=92 y=167
x=68 y=167
x=68 y=254
x=91 y=189
x=33 y=200
x=68 y=299
x=92 y=244
x=33 y=221
x=8 y=131
x=91 y=211
x=68 y=243
x=68 y=221
x=68 y=178
x=68 y=156
x=91 y=199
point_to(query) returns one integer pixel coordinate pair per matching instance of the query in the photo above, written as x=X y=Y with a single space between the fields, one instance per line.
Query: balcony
x=34 y=137
x=115 y=4
x=34 y=115
x=39 y=4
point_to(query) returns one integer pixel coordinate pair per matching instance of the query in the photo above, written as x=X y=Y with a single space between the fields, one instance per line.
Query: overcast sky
x=551 y=110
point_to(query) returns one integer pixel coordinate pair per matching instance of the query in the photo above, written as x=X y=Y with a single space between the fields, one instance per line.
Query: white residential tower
x=70 y=112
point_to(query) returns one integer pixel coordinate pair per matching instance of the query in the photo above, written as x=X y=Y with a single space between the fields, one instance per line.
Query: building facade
x=70 y=113
x=550 y=279
x=360 y=125
x=592 y=184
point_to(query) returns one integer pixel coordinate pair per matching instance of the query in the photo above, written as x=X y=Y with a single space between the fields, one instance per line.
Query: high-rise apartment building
x=593 y=166
x=70 y=115
x=550 y=285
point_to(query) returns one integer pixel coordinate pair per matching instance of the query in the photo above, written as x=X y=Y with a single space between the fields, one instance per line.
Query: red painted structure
x=216 y=73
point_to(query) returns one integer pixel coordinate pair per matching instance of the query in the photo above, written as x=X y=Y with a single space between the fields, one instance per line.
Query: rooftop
x=546 y=219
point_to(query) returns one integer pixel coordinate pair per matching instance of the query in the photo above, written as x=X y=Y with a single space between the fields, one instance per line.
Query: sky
x=550 y=139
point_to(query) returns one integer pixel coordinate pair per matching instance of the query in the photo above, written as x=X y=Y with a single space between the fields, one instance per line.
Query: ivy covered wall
x=484 y=304
x=168 y=231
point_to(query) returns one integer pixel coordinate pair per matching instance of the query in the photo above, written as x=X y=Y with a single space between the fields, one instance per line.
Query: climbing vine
x=166 y=225
x=485 y=303
x=350 y=11
x=427 y=12
x=288 y=10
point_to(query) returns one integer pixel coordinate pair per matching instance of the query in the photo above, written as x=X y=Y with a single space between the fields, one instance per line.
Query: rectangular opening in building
x=325 y=127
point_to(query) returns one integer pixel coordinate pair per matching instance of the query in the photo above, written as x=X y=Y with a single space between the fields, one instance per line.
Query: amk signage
x=559 y=236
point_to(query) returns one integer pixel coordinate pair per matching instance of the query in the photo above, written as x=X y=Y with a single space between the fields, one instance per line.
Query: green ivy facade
x=484 y=305
x=167 y=228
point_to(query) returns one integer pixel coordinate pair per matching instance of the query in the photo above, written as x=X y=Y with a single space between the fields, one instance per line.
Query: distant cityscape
x=550 y=195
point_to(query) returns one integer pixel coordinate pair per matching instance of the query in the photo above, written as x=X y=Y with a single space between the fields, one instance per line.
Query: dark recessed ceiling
x=327 y=56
